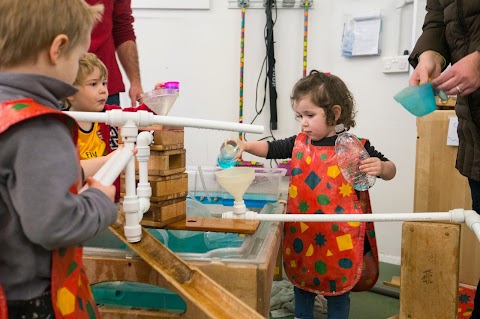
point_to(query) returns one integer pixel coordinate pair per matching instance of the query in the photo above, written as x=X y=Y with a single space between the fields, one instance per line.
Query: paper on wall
x=361 y=34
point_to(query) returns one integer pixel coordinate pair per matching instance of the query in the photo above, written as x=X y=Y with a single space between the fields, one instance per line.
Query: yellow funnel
x=236 y=180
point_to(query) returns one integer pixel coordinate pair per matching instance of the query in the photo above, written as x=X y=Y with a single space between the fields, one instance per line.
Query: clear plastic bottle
x=227 y=157
x=350 y=153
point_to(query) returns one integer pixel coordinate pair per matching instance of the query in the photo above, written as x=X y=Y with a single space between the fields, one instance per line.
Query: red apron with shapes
x=71 y=294
x=325 y=257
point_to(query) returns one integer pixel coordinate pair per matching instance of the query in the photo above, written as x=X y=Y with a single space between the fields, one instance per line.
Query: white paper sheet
x=452 y=136
x=362 y=34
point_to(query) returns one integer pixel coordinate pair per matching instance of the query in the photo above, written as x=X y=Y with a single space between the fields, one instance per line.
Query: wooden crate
x=164 y=187
x=163 y=138
x=439 y=187
x=163 y=163
x=168 y=138
x=165 y=212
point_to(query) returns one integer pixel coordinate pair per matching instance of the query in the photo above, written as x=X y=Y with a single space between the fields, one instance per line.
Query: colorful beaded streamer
x=305 y=37
x=242 y=61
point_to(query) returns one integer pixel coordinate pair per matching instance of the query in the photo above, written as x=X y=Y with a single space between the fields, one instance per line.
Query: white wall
x=200 y=48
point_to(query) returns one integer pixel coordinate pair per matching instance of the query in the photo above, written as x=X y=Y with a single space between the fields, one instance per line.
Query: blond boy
x=42 y=219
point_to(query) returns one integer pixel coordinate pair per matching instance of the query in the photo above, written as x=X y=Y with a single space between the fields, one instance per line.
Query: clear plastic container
x=227 y=157
x=215 y=240
x=350 y=153
x=160 y=101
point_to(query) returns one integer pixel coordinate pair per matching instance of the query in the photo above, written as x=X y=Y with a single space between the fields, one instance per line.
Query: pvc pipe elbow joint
x=471 y=218
x=144 y=207
x=144 y=139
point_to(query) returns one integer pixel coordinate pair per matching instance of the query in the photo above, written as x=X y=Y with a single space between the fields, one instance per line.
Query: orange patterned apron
x=326 y=257
x=71 y=294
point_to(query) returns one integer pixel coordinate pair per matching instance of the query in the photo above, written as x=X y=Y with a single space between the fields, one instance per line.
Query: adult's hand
x=135 y=93
x=462 y=78
x=429 y=67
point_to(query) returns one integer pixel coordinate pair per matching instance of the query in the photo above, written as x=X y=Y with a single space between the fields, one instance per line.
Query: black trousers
x=475 y=189
x=36 y=308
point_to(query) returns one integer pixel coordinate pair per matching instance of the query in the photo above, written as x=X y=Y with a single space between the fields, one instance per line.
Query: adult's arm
x=433 y=35
x=126 y=47
x=128 y=56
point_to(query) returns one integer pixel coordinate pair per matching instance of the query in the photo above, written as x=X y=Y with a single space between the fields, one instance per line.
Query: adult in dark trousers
x=451 y=35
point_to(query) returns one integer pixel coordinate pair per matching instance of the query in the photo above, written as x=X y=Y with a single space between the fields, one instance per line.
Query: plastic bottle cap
x=172 y=85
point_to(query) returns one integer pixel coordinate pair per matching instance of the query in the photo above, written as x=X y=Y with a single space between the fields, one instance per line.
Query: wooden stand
x=238 y=287
x=204 y=297
x=439 y=187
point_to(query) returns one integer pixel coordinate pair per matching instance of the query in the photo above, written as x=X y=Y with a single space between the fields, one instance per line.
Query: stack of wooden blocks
x=167 y=177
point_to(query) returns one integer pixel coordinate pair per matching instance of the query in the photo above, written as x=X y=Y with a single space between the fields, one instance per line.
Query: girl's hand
x=372 y=166
x=241 y=148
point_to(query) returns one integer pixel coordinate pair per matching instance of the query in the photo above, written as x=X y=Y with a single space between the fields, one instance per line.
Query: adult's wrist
x=434 y=56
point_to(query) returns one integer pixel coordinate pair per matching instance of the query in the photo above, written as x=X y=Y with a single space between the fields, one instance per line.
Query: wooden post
x=429 y=270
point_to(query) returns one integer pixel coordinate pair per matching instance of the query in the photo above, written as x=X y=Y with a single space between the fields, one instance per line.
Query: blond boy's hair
x=87 y=64
x=29 y=26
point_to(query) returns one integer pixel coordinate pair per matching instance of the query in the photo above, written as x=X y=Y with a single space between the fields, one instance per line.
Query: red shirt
x=115 y=28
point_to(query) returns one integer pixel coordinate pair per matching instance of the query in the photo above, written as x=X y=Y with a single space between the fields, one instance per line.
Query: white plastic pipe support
x=144 y=119
x=113 y=167
x=239 y=208
x=472 y=219
x=356 y=217
x=131 y=203
x=246 y=215
x=144 y=190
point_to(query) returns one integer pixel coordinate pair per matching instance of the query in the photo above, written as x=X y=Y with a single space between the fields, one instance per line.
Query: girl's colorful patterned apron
x=326 y=257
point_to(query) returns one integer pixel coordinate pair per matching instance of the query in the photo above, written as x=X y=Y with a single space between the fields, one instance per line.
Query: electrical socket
x=395 y=64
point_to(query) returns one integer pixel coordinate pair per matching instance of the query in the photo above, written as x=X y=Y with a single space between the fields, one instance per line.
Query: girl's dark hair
x=327 y=90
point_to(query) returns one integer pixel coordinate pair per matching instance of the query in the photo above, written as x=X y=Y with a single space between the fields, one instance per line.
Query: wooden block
x=165 y=163
x=395 y=282
x=164 y=187
x=430 y=259
x=166 y=147
x=166 y=211
x=226 y=225
x=168 y=137
x=449 y=104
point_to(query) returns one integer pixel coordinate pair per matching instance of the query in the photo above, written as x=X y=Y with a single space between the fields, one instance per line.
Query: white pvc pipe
x=109 y=172
x=144 y=190
x=357 y=217
x=131 y=204
x=144 y=119
x=470 y=217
